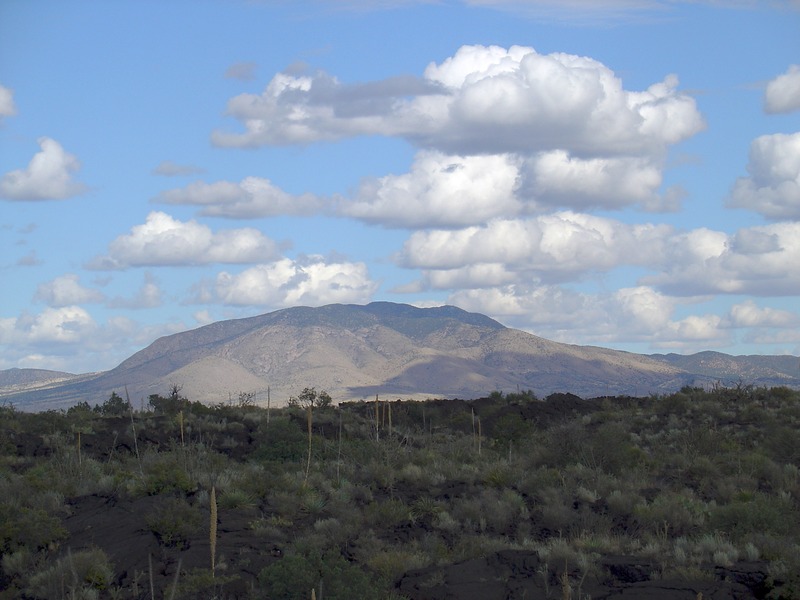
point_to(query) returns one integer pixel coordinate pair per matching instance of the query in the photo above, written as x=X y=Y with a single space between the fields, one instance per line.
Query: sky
x=616 y=173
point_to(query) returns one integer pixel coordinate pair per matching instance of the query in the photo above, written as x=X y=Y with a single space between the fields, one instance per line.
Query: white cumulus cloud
x=773 y=187
x=66 y=324
x=253 y=197
x=783 y=93
x=552 y=247
x=556 y=178
x=67 y=290
x=440 y=191
x=163 y=240
x=758 y=261
x=481 y=100
x=749 y=314
x=637 y=314
x=47 y=177
x=313 y=281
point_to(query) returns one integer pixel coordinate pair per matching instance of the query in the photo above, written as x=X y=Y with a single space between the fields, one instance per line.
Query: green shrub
x=78 y=574
x=174 y=521
x=294 y=576
x=30 y=528
x=281 y=440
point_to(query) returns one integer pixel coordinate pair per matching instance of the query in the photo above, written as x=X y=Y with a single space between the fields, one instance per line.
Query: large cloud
x=482 y=99
x=163 y=240
x=440 y=190
x=66 y=324
x=567 y=246
x=47 y=177
x=557 y=179
x=552 y=247
x=445 y=191
x=312 y=281
x=757 y=261
x=783 y=93
x=773 y=188
x=636 y=314
x=251 y=198
x=68 y=337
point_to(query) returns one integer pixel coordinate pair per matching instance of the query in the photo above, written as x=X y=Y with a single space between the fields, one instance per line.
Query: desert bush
x=334 y=578
x=174 y=521
x=756 y=513
x=200 y=584
x=76 y=575
x=282 y=439
x=22 y=527
x=237 y=498
x=165 y=473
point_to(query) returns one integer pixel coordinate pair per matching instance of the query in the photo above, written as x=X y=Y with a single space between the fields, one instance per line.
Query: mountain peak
x=396 y=350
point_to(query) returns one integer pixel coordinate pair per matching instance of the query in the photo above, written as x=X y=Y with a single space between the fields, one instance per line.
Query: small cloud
x=47 y=177
x=253 y=197
x=783 y=93
x=749 y=314
x=168 y=168
x=149 y=295
x=162 y=240
x=243 y=71
x=7 y=107
x=773 y=187
x=29 y=260
x=66 y=291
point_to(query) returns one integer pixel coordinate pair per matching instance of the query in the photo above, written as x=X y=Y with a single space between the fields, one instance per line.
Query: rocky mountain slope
x=394 y=350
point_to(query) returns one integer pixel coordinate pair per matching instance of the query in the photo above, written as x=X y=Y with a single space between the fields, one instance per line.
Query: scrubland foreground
x=694 y=494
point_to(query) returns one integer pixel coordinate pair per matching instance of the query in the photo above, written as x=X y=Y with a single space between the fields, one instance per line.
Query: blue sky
x=621 y=173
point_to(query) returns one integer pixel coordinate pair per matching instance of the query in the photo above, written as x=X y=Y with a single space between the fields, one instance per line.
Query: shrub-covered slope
x=509 y=496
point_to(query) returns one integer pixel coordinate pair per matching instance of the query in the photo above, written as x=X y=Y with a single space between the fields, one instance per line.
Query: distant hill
x=13 y=381
x=395 y=350
x=716 y=367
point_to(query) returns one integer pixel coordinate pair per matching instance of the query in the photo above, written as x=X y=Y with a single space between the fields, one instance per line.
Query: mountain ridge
x=357 y=351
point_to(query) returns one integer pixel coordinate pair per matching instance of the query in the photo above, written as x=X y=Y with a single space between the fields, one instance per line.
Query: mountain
x=395 y=350
x=716 y=367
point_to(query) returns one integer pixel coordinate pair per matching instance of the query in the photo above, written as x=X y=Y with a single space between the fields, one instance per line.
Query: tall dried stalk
x=150 y=572
x=175 y=579
x=339 y=452
x=377 y=417
x=566 y=587
x=133 y=429
x=309 y=421
x=180 y=422
x=212 y=537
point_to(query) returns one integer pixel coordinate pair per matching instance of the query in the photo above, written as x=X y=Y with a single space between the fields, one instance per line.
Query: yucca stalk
x=133 y=430
x=339 y=451
x=180 y=422
x=212 y=537
x=566 y=587
x=309 y=422
x=377 y=419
